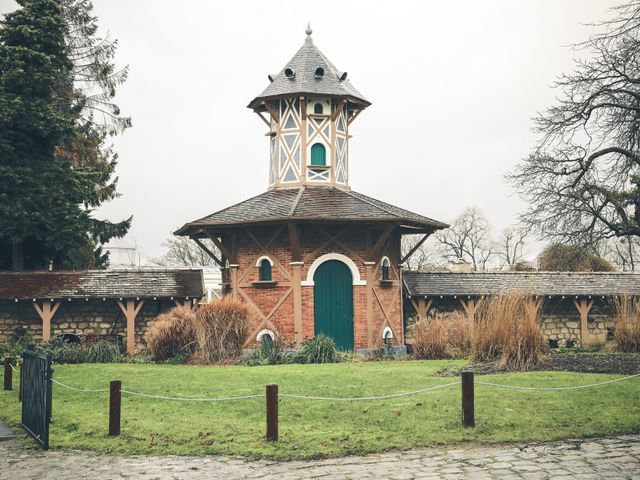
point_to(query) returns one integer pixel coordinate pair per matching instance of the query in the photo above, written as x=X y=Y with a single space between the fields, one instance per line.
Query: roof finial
x=308 y=31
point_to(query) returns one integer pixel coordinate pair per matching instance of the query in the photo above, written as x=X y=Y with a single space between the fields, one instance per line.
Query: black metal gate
x=36 y=395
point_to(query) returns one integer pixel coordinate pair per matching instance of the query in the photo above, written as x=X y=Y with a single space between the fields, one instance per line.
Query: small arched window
x=317 y=109
x=265 y=270
x=318 y=154
x=385 y=269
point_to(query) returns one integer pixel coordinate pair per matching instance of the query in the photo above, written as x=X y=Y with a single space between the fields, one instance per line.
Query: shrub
x=62 y=351
x=103 y=351
x=320 y=349
x=172 y=333
x=507 y=329
x=626 y=334
x=221 y=330
x=19 y=339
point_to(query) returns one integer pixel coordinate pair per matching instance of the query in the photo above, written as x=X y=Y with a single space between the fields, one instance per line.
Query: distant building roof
x=142 y=283
x=305 y=80
x=534 y=283
x=310 y=204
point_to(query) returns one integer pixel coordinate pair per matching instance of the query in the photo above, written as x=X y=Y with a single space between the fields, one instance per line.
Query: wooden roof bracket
x=223 y=250
x=209 y=252
x=271 y=111
x=375 y=252
x=267 y=122
x=338 y=109
x=415 y=247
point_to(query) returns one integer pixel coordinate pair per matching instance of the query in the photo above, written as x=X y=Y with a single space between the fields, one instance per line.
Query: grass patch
x=320 y=429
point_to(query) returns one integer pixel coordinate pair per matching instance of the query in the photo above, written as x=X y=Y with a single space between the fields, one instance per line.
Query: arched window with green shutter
x=318 y=154
x=265 y=270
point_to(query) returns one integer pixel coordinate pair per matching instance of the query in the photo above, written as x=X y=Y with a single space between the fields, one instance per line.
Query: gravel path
x=608 y=458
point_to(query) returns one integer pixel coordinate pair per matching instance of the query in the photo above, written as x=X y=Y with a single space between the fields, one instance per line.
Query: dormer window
x=264 y=269
x=318 y=109
x=385 y=269
x=318 y=154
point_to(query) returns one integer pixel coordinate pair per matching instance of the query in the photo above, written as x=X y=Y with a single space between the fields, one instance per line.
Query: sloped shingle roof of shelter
x=142 y=283
x=311 y=204
x=304 y=63
x=534 y=283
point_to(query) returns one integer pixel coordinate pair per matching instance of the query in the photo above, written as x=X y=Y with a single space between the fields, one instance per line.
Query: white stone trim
x=385 y=331
x=264 y=332
x=355 y=273
x=264 y=257
x=383 y=259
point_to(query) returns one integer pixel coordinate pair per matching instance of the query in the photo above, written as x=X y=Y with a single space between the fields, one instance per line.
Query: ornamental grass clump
x=507 y=329
x=172 y=334
x=626 y=333
x=448 y=335
x=103 y=351
x=320 y=349
x=221 y=330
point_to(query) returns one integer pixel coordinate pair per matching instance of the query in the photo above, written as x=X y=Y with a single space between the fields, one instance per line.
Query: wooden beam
x=264 y=119
x=130 y=310
x=379 y=245
x=294 y=242
x=303 y=107
x=415 y=247
x=583 y=307
x=209 y=252
x=46 y=313
x=470 y=307
x=224 y=250
x=369 y=299
x=353 y=117
x=271 y=111
x=338 y=109
x=297 y=302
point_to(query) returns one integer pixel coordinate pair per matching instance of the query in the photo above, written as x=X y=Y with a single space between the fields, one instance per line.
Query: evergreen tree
x=54 y=165
x=40 y=194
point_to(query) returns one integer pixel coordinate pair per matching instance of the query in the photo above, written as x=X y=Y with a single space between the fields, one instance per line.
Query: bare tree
x=623 y=253
x=469 y=239
x=582 y=179
x=182 y=251
x=428 y=257
x=510 y=247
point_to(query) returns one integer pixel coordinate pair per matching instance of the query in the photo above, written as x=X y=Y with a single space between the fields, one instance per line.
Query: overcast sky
x=453 y=86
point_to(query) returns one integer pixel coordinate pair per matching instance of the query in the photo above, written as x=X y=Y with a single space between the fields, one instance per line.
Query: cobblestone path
x=608 y=458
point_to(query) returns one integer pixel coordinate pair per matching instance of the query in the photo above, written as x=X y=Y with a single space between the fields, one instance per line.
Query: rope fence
x=272 y=397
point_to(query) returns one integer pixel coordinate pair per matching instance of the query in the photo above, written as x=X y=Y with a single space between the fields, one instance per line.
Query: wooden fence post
x=21 y=383
x=272 y=412
x=114 y=407
x=8 y=374
x=468 y=415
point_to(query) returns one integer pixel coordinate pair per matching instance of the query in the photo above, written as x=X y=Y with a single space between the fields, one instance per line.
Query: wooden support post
x=115 y=397
x=296 y=284
x=130 y=311
x=8 y=374
x=470 y=307
x=468 y=415
x=272 y=412
x=233 y=279
x=424 y=306
x=369 y=299
x=583 y=306
x=46 y=313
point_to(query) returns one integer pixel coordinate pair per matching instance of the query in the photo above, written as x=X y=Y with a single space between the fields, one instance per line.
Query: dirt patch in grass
x=581 y=362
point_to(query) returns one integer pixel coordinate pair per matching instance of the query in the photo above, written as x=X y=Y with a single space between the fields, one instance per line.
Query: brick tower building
x=310 y=255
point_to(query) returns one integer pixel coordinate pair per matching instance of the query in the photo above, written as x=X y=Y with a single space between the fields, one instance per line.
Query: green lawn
x=323 y=428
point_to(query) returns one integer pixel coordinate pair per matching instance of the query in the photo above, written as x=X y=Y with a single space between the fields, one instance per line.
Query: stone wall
x=80 y=317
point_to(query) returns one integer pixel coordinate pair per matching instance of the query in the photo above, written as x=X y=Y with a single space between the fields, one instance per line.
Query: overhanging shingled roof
x=310 y=204
x=141 y=283
x=534 y=283
x=304 y=64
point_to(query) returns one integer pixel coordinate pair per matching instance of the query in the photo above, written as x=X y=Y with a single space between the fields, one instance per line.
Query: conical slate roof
x=305 y=81
x=315 y=204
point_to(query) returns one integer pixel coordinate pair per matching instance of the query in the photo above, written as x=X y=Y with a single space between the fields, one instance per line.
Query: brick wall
x=351 y=242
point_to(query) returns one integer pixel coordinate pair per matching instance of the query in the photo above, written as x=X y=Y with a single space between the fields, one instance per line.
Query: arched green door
x=333 y=303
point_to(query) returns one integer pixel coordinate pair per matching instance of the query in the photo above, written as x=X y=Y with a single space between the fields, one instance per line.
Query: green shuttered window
x=318 y=154
x=265 y=270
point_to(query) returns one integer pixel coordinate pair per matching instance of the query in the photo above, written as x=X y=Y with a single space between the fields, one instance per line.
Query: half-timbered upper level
x=308 y=107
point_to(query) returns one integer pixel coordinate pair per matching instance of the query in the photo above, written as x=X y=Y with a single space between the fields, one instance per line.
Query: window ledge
x=264 y=283
x=319 y=167
x=386 y=283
